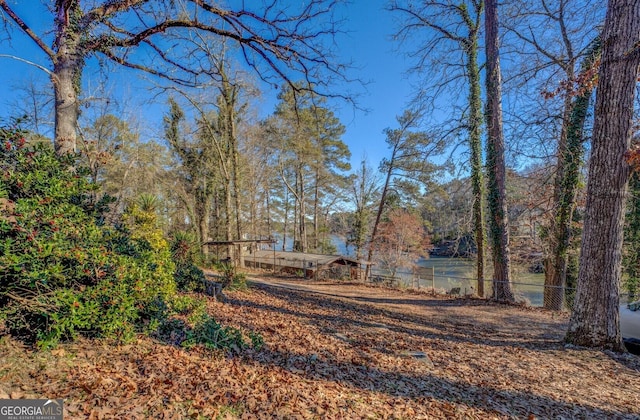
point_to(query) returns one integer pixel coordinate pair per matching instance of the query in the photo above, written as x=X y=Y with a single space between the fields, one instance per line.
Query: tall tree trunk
x=286 y=219
x=253 y=214
x=227 y=152
x=374 y=230
x=268 y=202
x=228 y=231
x=236 y=192
x=235 y=172
x=230 y=97
x=475 y=145
x=570 y=157
x=294 y=229
x=499 y=228
x=555 y=266
x=302 y=210
x=360 y=238
x=202 y=208
x=67 y=70
x=316 y=221
x=595 y=320
x=217 y=221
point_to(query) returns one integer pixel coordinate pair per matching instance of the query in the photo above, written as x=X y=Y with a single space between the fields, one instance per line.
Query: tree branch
x=265 y=42
x=31 y=63
x=26 y=29
x=110 y=8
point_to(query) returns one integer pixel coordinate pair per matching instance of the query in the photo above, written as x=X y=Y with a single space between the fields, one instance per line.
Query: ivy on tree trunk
x=570 y=161
x=632 y=240
x=475 y=145
x=595 y=321
x=498 y=223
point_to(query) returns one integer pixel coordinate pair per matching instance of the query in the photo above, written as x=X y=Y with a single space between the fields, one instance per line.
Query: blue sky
x=371 y=49
x=367 y=44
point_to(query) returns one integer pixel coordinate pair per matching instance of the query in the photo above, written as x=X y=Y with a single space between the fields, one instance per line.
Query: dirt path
x=448 y=314
x=475 y=359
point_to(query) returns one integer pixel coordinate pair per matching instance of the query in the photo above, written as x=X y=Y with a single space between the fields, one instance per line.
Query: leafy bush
x=173 y=331
x=193 y=308
x=153 y=250
x=188 y=277
x=212 y=335
x=61 y=272
x=184 y=248
x=231 y=278
x=257 y=341
x=238 y=282
x=191 y=326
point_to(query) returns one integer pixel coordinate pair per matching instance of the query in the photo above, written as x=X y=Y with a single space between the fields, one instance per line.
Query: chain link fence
x=534 y=294
x=528 y=293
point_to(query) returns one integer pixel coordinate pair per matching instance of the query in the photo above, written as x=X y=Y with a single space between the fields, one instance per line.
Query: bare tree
x=456 y=23
x=411 y=150
x=401 y=241
x=260 y=179
x=595 y=318
x=364 y=189
x=550 y=38
x=496 y=173
x=275 y=39
x=34 y=100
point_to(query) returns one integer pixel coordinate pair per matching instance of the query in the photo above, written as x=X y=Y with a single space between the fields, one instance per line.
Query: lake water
x=460 y=272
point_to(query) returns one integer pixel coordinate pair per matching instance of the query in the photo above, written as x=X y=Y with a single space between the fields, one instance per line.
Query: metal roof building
x=317 y=266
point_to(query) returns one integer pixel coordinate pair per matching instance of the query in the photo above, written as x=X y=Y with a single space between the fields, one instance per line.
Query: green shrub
x=191 y=326
x=184 y=248
x=231 y=278
x=257 y=341
x=194 y=308
x=186 y=311
x=188 y=277
x=238 y=282
x=212 y=335
x=173 y=331
x=153 y=251
x=62 y=273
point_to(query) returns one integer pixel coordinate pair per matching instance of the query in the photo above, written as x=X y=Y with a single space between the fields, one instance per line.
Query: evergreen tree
x=408 y=167
x=306 y=138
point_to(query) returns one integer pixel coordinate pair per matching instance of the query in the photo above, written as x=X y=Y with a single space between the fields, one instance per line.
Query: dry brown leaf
x=490 y=361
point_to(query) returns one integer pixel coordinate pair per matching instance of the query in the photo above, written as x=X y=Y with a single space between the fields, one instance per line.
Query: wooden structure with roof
x=317 y=266
x=236 y=250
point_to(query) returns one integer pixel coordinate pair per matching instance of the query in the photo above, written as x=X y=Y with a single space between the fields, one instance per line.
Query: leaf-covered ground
x=341 y=351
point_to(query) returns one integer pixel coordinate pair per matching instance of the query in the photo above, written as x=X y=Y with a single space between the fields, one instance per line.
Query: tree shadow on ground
x=346 y=313
x=429 y=388
x=350 y=313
